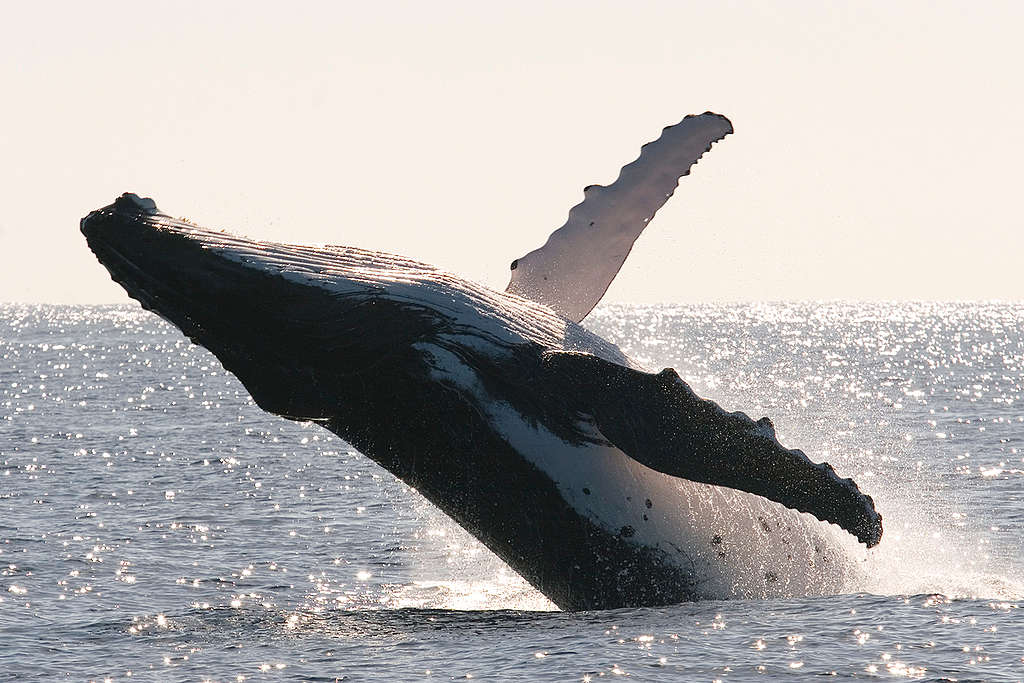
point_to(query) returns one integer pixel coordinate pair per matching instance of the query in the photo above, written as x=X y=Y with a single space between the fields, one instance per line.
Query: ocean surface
x=155 y=525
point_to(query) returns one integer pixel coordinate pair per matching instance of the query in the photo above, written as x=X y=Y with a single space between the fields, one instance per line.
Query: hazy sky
x=877 y=151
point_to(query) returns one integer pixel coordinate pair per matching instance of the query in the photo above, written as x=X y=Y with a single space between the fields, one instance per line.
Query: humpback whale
x=602 y=484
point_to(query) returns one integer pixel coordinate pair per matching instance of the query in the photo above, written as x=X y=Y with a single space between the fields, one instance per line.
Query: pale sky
x=877 y=151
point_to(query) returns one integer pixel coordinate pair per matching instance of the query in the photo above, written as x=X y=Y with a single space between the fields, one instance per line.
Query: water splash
x=917 y=402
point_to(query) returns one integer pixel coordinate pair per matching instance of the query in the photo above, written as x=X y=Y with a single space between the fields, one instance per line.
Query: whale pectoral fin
x=657 y=420
x=574 y=268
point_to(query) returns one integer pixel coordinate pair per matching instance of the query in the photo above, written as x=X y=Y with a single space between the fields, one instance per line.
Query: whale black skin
x=438 y=380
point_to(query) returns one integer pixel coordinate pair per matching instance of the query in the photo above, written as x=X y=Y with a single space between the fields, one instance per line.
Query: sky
x=877 y=150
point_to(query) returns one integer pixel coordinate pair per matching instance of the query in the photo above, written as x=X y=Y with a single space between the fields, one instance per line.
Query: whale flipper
x=657 y=420
x=574 y=268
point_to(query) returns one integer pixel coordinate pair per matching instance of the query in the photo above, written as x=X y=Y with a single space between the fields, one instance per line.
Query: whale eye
x=515 y=264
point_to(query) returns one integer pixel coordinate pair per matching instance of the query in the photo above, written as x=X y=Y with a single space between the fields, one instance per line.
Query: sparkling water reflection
x=154 y=521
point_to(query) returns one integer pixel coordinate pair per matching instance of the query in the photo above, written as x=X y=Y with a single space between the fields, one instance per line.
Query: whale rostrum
x=601 y=484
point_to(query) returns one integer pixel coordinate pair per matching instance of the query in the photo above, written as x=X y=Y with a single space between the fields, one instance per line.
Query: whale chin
x=602 y=485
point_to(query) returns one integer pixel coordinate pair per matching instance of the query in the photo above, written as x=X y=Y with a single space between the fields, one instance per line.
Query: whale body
x=601 y=484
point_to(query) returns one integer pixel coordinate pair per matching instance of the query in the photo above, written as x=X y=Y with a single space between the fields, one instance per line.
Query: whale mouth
x=131 y=248
x=239 y=313
x=183 y=273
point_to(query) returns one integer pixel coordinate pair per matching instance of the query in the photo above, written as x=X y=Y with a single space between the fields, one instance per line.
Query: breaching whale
x=601 y=484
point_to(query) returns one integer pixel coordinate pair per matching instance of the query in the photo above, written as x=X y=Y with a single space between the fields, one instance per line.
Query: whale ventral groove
x=602 y=485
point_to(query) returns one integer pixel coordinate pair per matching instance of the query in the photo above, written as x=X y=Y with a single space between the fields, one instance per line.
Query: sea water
x=156 y=525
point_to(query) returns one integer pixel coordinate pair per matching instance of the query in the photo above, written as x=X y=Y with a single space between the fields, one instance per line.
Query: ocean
x=155 y=525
